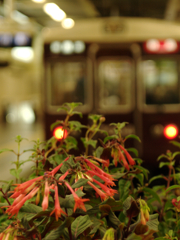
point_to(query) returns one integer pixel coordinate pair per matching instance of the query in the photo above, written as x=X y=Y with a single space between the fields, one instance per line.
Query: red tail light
x=60 y=133
x=170 y=131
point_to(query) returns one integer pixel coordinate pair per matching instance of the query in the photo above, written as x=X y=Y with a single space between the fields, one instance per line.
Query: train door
x=115 y=84
x=158 y=102
x=68 y=78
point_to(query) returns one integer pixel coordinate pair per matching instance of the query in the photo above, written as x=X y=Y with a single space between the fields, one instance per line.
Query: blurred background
x=120 y=58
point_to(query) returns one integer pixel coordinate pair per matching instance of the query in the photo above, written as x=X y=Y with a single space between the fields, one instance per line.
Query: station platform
x=8 y=133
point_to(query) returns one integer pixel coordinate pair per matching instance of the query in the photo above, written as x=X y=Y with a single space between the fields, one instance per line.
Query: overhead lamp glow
x=38 y=1
x=54 y=11
x=67 y=47
x=55 y=47
x=79 y=46
x=23 y=54
x=68 y=23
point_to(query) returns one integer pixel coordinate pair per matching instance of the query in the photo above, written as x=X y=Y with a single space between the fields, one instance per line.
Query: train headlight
x=60 y=133
x=170 y=131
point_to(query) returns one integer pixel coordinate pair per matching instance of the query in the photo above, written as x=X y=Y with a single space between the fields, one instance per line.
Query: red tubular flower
x=45 y=202
x=64 y=175
x=25 y=187
x=122 y=158
x=104 y=178
x=104 y=162
x=109 y=191
x=79 y=202
x=100 y=193
x=57 y=209
x=54 y=171
x=130 y=159
x=176 y=204
x=13 y=210
x=115 y=155
x=98 y=170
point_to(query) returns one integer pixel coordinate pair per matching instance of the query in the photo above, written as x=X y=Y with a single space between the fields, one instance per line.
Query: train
x=126 y=69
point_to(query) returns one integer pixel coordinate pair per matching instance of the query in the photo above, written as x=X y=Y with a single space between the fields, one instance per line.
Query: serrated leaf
x=153 y=222
x=30 y=210
x=89 y=142
x=133 y=136
x=57 y=233
x=80 y=224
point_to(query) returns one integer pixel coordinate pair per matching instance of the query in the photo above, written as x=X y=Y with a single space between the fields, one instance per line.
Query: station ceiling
x=80 y=9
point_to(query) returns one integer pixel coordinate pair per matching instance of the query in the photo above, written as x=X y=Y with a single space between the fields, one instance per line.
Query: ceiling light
x=54 y=11
x=38 y=1
x=23 y=54
x=68 y=23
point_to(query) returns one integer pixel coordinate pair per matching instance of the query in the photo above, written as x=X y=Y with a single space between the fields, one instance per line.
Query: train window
x=160 y=78
x=69 y=81
x=115 y=83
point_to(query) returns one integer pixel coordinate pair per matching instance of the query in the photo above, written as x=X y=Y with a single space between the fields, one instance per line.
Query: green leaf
x=110 y=138
x=79 y=225
x=134 y=150
x=57 y=233
x=29 y=210
x=175 y=154
x=140 y=177
x=76 y=126
x=98 y=152
x=155 y=177
x=162 y=164
x=79 y=183
x=6 y=150
x=124 y=188
x=171 y=188
x=162 y=156
x=70 y=143
x=115 y=205
x=152 y=193
x=133 y=136
x=53 y=125
x=89 y=142
x=175 y=143
x=133 y=236
x=15 y=172
x=144 y=170
x=153 y=222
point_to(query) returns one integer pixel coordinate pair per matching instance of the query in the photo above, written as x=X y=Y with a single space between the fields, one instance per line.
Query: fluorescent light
x=54 y=11
x=67 y=23
x=38 y=1
x=24 y=54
